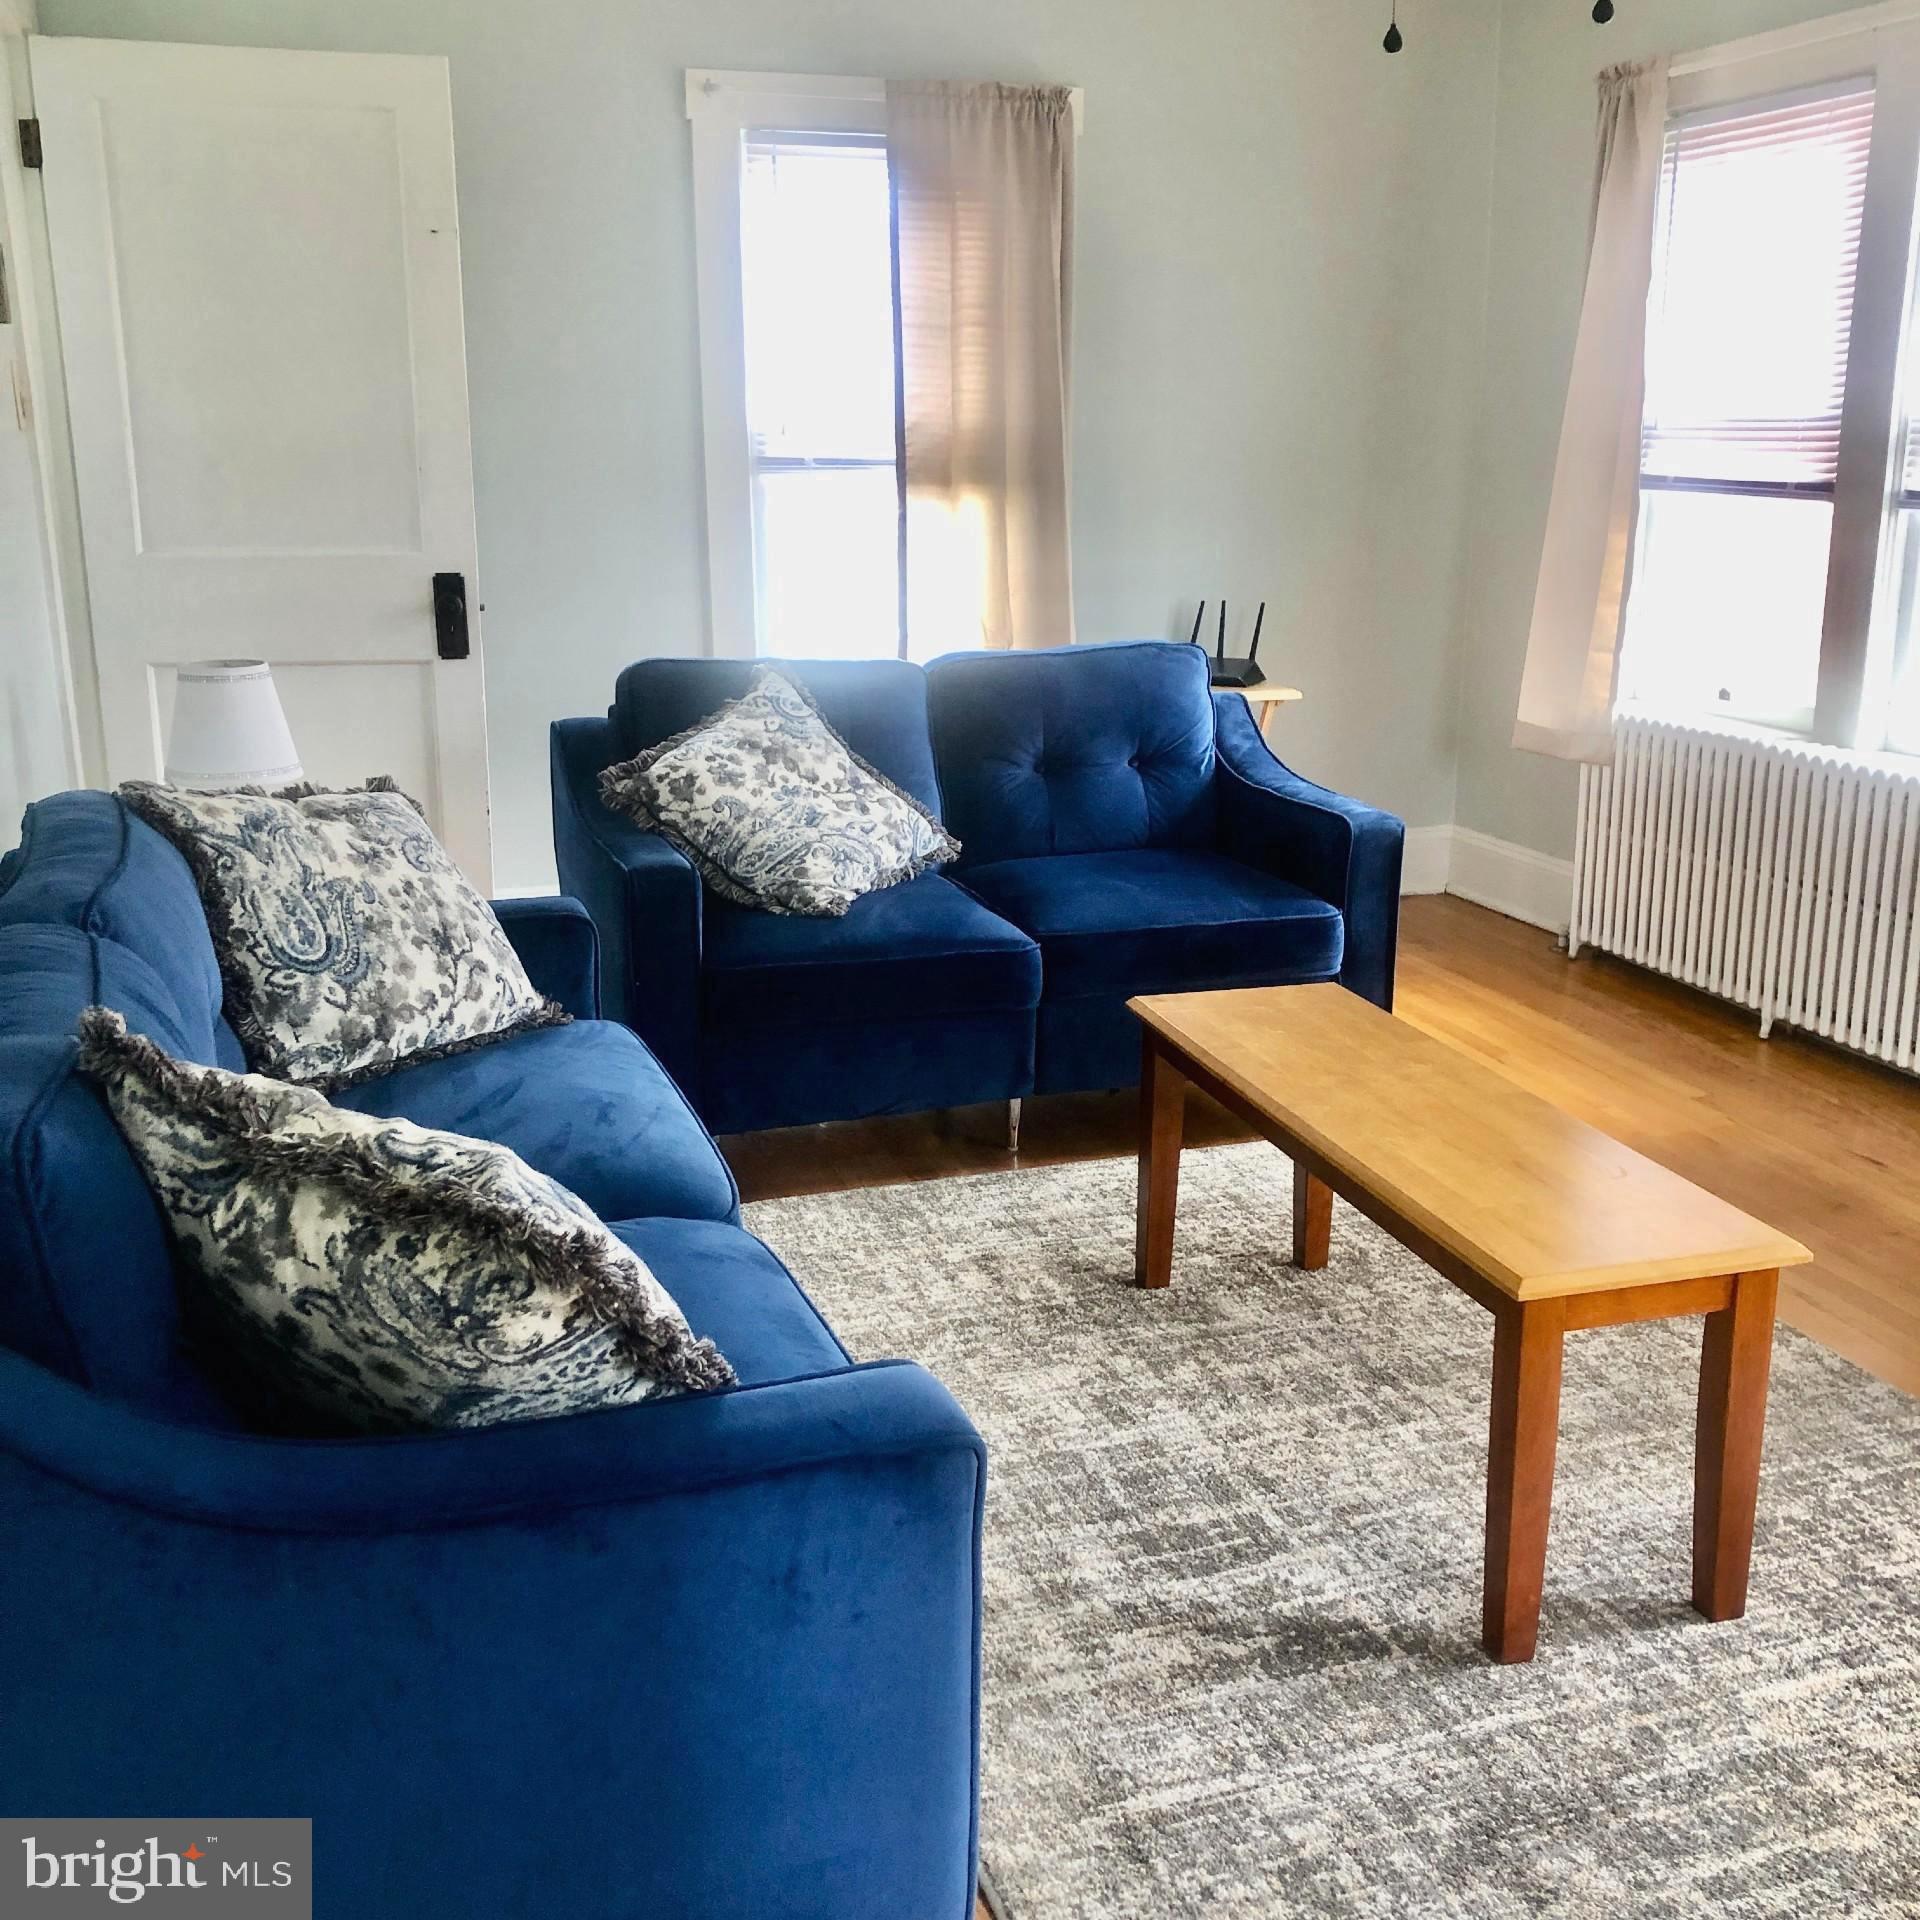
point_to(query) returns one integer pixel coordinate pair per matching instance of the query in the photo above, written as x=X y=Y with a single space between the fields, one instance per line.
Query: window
x=817 y=271
x=794 y=239
x=806 y=401
x=1748 y=329
x=1747 y=342
x=1776 y=569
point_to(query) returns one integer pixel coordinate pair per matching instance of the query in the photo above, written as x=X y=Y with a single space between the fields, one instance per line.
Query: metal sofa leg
x=1013 y=1126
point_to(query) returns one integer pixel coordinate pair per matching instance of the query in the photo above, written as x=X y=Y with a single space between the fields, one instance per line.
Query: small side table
x=1267 y=699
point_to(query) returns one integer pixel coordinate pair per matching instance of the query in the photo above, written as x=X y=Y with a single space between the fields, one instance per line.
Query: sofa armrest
x=645 y=899
x=706 y=1650
x=557 y=944
x=1343 y=851
x=528 y=1472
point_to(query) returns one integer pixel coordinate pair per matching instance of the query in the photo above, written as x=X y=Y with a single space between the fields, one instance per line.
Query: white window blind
x=1756 y=258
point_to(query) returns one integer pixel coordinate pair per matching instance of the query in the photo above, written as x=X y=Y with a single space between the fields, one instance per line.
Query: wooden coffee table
x=1551 y=1225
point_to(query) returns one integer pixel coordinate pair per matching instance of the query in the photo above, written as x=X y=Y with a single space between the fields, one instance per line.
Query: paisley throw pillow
x=357 y=1274
x=775 y=809
x=348 y=940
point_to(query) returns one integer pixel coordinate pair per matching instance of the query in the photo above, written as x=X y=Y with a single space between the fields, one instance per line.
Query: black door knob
x=450 y=615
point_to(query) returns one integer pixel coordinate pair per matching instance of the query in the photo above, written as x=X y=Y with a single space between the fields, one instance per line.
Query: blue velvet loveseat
x=713 y=1656
x=1124 y=830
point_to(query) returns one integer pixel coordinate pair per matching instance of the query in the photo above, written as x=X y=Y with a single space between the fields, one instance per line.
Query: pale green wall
x=1280 y=268
x=1325 y=306
x=1542 y=190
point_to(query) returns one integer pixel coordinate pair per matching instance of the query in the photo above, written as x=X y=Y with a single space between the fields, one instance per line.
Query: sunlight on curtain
x=1573 y=644
x=983 y=179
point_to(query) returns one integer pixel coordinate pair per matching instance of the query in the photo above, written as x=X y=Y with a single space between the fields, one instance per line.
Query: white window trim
x=721 y=107
x=1807 y=33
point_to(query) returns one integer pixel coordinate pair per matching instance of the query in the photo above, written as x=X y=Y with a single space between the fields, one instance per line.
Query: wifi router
x=1237 y=671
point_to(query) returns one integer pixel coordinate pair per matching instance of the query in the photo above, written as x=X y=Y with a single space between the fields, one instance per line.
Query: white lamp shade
x=228 y=729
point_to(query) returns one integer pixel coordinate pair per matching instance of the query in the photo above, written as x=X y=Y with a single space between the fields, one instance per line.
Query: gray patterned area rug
x=1233 y=1566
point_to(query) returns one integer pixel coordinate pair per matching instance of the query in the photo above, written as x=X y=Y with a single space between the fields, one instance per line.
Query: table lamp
x=228 y=729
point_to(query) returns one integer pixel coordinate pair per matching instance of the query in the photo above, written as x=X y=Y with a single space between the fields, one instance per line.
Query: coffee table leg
x=1522 y=1434
x=1163 y=1114
x=1735 y=1354
x=1312 y=1219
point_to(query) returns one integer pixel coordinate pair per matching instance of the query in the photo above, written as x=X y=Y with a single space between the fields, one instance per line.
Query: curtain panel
x=983 y=195
x=1573 y=647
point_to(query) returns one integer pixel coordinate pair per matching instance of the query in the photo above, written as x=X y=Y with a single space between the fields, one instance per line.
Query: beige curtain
x=1573 y=648
x=983 y=192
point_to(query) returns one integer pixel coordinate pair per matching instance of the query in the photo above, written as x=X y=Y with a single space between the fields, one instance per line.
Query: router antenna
x=1220 y=639
x=1193 y=639
x=1259 y=621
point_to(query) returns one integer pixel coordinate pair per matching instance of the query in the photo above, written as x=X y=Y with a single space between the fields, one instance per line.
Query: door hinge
x=30 y=143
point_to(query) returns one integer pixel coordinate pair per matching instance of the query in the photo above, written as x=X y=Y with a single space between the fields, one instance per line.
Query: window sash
x=826 y=557
x=1756 y=489
x=766 y=151
x=817 y=463
x=1701 y=422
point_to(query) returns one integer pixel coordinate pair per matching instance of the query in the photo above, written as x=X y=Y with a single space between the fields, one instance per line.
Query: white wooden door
x=256 y=262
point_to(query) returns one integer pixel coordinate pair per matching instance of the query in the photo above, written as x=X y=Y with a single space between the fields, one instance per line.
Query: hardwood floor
x=1811 y=1140
x=1815 y=1142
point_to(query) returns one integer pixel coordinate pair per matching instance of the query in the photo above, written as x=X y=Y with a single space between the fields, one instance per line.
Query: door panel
x=313 y=336
x=256 y=258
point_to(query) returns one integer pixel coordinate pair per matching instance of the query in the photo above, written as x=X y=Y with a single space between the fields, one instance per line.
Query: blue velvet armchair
x=1124 y=830
x=714 y=1656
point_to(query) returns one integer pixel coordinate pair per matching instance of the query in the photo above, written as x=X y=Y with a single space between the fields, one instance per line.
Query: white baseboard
x=1423 y=868
x=1514 y=880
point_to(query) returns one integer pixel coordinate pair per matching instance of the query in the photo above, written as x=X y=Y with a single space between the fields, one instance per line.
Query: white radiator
x=1781 y=877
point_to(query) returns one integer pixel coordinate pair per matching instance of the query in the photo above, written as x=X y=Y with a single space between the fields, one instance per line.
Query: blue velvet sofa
x=1124 y=830
x=714 y=1656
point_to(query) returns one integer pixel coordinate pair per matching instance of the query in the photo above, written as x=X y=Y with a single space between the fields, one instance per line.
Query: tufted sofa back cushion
x=86 y=1275
x=878 y=707
x=1083 y=749
x=85 y=862
x=95 y=908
